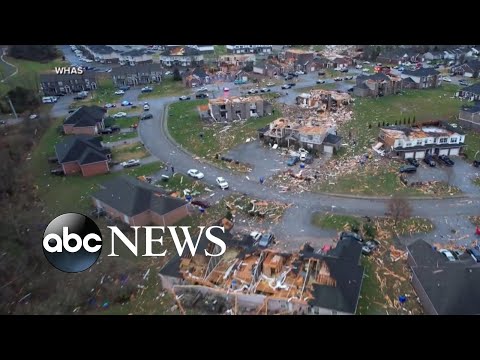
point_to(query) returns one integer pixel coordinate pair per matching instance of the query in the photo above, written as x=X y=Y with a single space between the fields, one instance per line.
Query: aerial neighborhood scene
x=346 y=178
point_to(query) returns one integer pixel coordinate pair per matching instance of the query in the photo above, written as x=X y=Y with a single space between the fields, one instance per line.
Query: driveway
x=61 y=107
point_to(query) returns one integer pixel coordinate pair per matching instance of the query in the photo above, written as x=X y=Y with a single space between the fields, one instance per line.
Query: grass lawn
x=127 y=121
x=119 y=136
x=386 y=271
x=125 y=109
x=329 y=86
x=472 y=142
x=105 y=93
x=129 y=151
x=28 y=73
x=476 y=181
x=168 y=87
x=424 y=105
x=185 y=127
x=220 y=50
x=145 y=170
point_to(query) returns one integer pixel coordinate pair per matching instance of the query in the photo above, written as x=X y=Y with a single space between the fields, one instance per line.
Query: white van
x=49 y=99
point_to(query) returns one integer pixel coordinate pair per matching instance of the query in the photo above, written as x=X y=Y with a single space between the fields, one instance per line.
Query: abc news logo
x=73 y=242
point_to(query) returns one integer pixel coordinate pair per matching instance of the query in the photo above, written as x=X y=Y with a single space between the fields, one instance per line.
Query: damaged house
x=429 y=138
x=424 y=78
x=376 y=85
x=307 y=134
x=183 y=56
x=469 y=117
x=195 y=77
x=470 y=69
x=239 y=108
x=250 y=280
x=299 y=58
x=323 y=100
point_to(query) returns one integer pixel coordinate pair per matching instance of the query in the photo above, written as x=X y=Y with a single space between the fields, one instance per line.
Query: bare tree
x=399 y=208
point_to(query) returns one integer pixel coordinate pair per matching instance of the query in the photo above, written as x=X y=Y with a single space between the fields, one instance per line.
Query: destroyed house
x=377 y=85
x=239 y=108
x=323 y=100
x=469 y=117
x=428 y=138
x=444 y=287
x=267 y=281
x=87 y=120
x=137 y=203
x=176 y=55
x=195 y=77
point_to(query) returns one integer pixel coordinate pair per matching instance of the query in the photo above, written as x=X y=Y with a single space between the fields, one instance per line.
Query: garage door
x=419 y=154
x=454 y=152
x=408 y=155
x=443 y=152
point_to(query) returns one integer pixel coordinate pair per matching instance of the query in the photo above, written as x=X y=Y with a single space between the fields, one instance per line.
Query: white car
x=447 y=79
x=130 y=163
x=33 y=116
x=202 y=89
x=195 y=173
x=226 y=89
x=146 y=107
x=359 y=67
x=109 y=106
x=303 y=156
x=88 y=60
x=286 y=86
x=270 y=84
x=302 y=151
x=222 y=183
x=256 y=235
x=320 y=81
x=448 y=254
x=119 y=92
x=299 y=72
x=120 y=114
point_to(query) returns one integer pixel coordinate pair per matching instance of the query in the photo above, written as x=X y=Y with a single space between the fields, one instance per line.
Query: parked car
x=184 y=97
x=344 y=70
x=289 y=77
x=146 y=107
x=109 y=106
x=239 y=82
x=270 y=84
x=299 y=72
x=321 y=73
x=201 y=203
x=348 y=78
x=107 y=130
x=126 y=103
x=446 y=160
x=119 y=92
x=130 y=163
x=413 y=162
x=303 y=156
x=476 y=163
x=474 y=253
x=195 y=174
x=33 y=116
x=3 y=122
x=464 y=82
x=147 y=89
x=359 y=67
x=293 y=160
x=115 y=128
x=264 y=90
x=256 y=236
x=222 y=183
x=201 y=96
x=291 y=84
x=120 y=114
x=292 y=74
x=146 y=116
x=369 y=247
x=286 y=86
x=446 y=79
x=408 y=169
x=350 y=235
x=226 y=89
x=429 y=161
x=338 y=79
x=253 y=91
x=124 y=88
x=447 y=254
x=308 y=159
x=57 y=171
x=319 y=81
x=265 y=240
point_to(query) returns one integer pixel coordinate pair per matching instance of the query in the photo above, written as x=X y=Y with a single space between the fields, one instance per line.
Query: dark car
x=201 y=203
x=412 y=161
x=429 y=161
x=344 y=70
x=115 y=128
x=293 y=160
x=201 y=96
x=146 y=117
x=72 y=111
x=408 y=169
x=57 y=171
x=291 y=84
x=292 y=74
x=350 y=235
x=446 y=160
x=289 y=77
x=474 y=253
x=321 y=73
x=184 y=97
x=369 y=247
x=107 y=130
x=476 y=163
x=124 y=88
x=265 y=240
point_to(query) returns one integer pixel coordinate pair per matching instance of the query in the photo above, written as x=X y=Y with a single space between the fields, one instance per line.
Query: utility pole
x=12 y=107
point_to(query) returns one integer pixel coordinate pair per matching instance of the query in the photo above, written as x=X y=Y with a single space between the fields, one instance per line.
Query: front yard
x=387 y=274
x=129 y=151
x=168 y=87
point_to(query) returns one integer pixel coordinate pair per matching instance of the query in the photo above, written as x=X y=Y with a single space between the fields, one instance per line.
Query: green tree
x=34 y=52
x=176 y=75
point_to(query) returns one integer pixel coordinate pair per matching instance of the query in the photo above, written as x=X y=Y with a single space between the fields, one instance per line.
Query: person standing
x=173 y=170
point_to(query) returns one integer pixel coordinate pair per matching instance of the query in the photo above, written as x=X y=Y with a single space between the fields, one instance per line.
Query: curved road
x=296 y=222
x=15 y=71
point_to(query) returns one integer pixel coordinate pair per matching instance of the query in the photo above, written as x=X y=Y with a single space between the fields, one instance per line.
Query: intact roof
x=86 y=116
x=421 y=72
x=474 y=65
x=52 y=77
x=101 y=49
x=376 y=77
x=82 y=148
x=132 y=197
x=475 y=88
x=332 y=139
x=140 y=68
x=472 y=109
x=451 y=286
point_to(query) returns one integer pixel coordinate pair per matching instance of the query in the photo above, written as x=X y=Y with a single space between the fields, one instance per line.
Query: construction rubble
x=270 y=211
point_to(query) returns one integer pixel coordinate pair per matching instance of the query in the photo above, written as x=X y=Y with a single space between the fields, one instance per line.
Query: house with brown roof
x=424 y=78
x=87 y=120
x=377 y=85
x=137 y=203
x=196 y=77
x=139 y=74
x=83 y=154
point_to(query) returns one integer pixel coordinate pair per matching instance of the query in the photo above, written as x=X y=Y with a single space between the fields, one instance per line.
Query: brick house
x=376 y=85
x=299 y=58
x=424 y=78
x=87 y=120
x=83 y=154
x=195 y=77
x=317 y=64
x=137 y=75
x=470 y=69
x=137 y=203
x=444 y=287
x=182 y=56
x=239 y=108
x=469 y=117
x=56 y=84
x=471 y=92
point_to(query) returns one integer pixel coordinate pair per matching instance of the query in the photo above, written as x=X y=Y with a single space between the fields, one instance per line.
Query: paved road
x=9 y=65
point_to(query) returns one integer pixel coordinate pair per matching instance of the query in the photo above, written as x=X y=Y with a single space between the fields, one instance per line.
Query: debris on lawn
x=270 y=210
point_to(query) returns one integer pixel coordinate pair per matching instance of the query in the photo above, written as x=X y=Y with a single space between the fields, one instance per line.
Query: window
x=443 y=140
x=419 y=142
x=408 y=144
x=310 y=137
x=453 y=140
x=60 y=83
